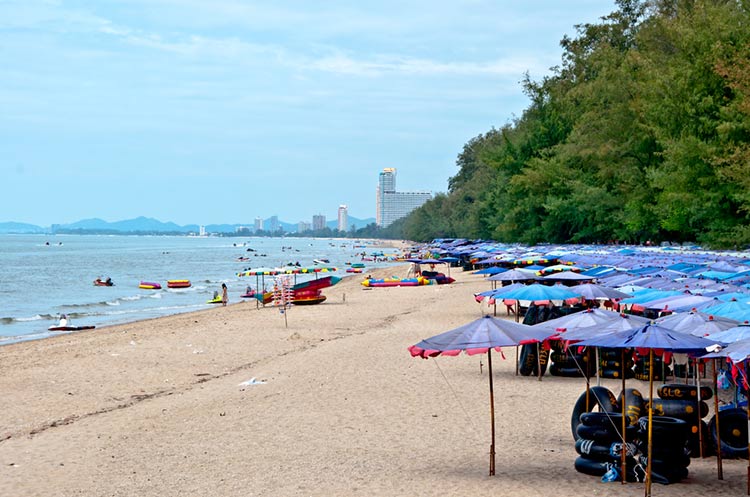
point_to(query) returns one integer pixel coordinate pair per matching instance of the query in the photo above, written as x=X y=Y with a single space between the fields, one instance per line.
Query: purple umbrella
x=651 y=337
x=478 y=337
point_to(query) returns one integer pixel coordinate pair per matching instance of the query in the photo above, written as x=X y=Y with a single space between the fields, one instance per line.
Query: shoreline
x=338 y=407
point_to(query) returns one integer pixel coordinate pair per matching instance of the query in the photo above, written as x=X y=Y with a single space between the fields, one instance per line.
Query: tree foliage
x=642 y=133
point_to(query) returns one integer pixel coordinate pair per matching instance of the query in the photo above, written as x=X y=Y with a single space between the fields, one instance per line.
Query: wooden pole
x=700 y=423
x=539 y=362
x=650 y=419
x=719 y=468
x=492 y=412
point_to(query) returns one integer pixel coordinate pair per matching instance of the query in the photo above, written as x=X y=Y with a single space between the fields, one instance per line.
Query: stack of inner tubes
x=642 y=369
x=531 y=357
x=669 y=454
x=681 y=401
x=600 y=446
x=611 y=366
x=571 y=363
x=733 y=431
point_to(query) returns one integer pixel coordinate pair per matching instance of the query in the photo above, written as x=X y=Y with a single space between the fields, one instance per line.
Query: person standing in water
x=224 y=297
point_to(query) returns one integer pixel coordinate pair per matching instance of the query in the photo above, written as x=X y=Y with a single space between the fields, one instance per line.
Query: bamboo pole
x=719 y=468
x=492 y=412
x=748 y=428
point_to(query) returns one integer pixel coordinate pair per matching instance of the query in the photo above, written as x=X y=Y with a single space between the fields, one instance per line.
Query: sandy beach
x=338 y=407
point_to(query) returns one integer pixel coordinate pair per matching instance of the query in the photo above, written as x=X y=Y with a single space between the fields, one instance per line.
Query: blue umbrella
x=478 y=337
x=652 y=336
x=491 y=270
x=537 y=292
x=731 y=335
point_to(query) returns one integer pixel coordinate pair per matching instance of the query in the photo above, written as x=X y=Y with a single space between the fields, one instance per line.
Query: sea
x=45 y=276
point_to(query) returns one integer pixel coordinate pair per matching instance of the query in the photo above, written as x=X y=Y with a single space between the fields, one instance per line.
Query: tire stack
x=600 y=446
x=611 y=366
x=598 y=437
x=669 y=455
x=529 y=361
x=642 y=369
x=572 y=364
x=733 y=431
x=681 y=401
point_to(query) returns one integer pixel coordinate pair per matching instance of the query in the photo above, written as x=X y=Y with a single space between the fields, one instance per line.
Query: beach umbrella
x=514 y=275
x=582 y=319
x=591 y=291
x=651 y=337
x=491 y=270
x=568 y=276
x=479 y=337
x=696 y=323
x=731 y=335
x=732 y=310
x=675 y=302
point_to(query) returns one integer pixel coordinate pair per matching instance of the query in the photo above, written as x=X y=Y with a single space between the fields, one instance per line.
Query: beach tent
x=479 y=337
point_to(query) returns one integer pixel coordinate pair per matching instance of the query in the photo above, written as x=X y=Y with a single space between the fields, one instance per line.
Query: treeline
x=642 y=133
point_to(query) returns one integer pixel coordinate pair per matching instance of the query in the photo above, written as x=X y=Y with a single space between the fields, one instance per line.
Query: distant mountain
x=21 y=228
x=150 y=225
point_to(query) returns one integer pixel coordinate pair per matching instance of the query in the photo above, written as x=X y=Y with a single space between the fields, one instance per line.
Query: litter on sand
x=252 y=381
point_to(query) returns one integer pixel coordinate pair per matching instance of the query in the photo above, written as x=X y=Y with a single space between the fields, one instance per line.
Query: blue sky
x=219 y=111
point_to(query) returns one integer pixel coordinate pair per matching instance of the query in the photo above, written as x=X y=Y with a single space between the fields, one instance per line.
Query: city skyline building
x=258 y=224
x=392 y=205
x=343 y=218
x=318 y=222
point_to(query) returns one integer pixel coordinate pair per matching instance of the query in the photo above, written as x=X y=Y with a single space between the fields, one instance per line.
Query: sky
x=221 y=111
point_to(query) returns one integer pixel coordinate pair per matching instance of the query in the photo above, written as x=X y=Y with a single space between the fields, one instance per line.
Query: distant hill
x=150 y=225
x=21 y=228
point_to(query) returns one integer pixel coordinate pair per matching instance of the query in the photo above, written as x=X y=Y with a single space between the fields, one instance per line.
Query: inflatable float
x=147 y=285
x=178 y=284
x=384 y=282
x=101 y=282
x=70 y=328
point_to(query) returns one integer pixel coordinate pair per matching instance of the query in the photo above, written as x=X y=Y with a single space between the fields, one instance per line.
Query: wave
x=36 y=317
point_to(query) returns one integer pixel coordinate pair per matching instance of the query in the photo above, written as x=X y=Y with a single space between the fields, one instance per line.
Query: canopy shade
x=477 y=337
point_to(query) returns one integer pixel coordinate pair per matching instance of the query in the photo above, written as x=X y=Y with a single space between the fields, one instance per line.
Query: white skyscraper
x=392 y=205
x=343 y=224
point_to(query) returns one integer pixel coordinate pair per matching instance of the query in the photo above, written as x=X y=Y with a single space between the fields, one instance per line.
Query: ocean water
x=44 y=276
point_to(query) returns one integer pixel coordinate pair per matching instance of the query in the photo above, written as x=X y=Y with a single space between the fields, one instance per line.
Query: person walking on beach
x=224 y=297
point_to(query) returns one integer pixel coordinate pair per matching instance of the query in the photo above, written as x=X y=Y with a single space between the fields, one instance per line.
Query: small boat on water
x=354 y=269
x=148 y=285
x=103 y=282
x=249 y=293
x=70 y=328
x=178 y=284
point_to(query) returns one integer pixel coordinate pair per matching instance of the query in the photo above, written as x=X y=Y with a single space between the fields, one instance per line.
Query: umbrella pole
x=650 y=418
x=598 y=365
x=492 y=413
x=700 y=426
x=517 y=359
x=539 y=361
x=624 y=421
x=719 y=468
